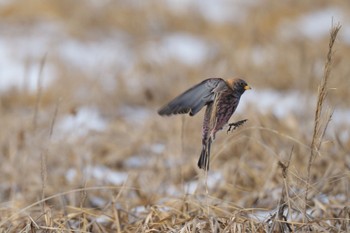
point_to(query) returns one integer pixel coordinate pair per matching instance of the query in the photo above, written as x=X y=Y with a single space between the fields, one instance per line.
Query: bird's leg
x=235 y=125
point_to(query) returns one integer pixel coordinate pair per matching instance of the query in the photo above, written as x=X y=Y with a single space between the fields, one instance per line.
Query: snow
x=281 y=104
x=100 y=173
x=80 y=124
x=96 y=55
x=22 y=49
x=317 y=24
x=190 y=187
x=157 y=148
x=20 y=58
x=136 y=161
x=185 y=48
x=143 y=160
x=106 y=175
x=219 y=11
x=134 y=115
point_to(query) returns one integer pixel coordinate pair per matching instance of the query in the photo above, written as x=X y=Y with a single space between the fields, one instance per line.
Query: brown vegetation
x=131 y=170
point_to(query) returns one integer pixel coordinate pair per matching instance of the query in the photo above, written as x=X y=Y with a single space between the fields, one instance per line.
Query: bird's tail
x=203 y=161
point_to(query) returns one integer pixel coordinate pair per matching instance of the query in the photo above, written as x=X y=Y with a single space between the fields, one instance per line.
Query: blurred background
x=81 y=82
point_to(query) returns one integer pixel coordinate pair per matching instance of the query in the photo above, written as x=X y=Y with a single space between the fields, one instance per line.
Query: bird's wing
x=195 y=98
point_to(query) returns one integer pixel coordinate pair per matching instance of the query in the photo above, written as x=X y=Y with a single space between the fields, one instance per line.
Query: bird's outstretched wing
x=195 y=98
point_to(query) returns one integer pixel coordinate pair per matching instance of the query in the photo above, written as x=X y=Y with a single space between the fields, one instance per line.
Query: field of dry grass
x=83 y=149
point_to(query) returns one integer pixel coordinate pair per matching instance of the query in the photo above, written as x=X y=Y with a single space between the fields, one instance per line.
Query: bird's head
x=238 y=85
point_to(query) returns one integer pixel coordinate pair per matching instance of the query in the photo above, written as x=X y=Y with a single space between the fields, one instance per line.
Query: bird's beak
x=247 y=87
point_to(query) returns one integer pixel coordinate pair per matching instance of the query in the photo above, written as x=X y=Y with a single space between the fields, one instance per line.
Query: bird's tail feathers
x=203 y=161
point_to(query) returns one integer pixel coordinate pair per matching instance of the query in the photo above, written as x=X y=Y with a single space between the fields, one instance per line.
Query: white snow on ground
x=190 y=187
x=20 y=57
x=106 y=175
x=100 y=173
x=134 y=115
x=316 y=25
x=293 y=103
x=142 y=160
x=214 y=10
x=185 y=48
x=22 y=49
x=97 y=55
x=136 y=161
x=80 y=124
x=264 y=215
x=281 y=104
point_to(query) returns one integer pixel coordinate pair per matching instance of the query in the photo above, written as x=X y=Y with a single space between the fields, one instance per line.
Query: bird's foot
x=235 y=125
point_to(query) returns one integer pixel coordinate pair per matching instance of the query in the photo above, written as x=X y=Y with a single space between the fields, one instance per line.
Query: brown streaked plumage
x=221 y=98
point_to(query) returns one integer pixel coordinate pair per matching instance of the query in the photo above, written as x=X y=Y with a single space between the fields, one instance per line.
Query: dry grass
x=48 y=178
x=322 y=118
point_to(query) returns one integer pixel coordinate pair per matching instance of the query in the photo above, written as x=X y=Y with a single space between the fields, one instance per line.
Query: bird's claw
x=235 y=125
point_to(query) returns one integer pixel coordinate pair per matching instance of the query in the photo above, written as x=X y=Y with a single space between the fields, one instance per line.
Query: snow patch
x=80 y=124
x=182 y=47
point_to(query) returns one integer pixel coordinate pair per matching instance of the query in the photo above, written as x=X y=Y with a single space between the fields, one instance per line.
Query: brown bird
x=221 y=98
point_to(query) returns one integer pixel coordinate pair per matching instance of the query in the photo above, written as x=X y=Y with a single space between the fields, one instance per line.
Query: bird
x=221 y=98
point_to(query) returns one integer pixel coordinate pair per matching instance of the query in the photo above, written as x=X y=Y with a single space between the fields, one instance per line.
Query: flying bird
x=221 y=98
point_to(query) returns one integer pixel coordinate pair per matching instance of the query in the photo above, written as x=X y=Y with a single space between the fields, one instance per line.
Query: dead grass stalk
x=322 y=118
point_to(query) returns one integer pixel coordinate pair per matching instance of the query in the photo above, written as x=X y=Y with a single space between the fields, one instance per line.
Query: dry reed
x=322 y=117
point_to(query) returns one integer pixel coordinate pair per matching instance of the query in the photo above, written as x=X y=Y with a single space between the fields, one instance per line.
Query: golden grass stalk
x=322 y=118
